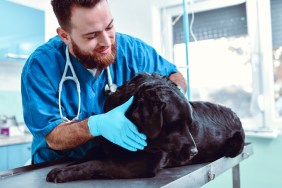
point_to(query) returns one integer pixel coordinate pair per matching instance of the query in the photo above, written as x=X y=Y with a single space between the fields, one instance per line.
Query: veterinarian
x=65 y=82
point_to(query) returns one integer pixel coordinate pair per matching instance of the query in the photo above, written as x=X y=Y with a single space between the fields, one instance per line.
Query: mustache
x=95 y=60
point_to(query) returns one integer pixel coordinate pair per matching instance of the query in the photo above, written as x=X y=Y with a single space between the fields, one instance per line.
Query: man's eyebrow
x=110 y=22
x=91 y=33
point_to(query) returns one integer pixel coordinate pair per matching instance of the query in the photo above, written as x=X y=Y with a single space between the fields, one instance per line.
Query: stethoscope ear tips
x=110 y=89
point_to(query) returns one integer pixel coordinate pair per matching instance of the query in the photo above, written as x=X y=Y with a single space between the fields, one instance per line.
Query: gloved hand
x=115 y=127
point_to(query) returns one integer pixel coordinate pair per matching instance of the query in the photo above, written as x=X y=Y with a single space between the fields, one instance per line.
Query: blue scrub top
x=40 y=88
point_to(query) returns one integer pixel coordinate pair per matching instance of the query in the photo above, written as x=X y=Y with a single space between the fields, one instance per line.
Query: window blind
x=276 y=22
x=212 y=24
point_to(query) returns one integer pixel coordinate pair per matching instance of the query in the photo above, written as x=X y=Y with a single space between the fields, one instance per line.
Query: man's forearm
x=69 y=135
x=179 y=80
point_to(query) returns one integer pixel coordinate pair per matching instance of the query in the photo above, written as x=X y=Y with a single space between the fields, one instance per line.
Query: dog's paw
x=60 y=175
x=65 y=174
x=54 y=175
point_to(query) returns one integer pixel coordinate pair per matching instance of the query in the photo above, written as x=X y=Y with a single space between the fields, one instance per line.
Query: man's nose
x=105 y=39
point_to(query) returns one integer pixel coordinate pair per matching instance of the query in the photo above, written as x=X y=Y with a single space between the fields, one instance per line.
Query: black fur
x=179 y=133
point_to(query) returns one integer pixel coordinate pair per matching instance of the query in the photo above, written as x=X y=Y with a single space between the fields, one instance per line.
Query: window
x=276 y=23
x=230 y=58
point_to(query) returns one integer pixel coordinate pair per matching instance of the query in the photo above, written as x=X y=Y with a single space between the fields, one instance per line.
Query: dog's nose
x=193 y=152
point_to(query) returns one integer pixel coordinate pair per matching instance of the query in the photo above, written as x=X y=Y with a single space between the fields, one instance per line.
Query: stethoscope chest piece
x=110 y=89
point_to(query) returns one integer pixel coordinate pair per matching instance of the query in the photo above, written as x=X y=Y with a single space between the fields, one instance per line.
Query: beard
x=94 y=60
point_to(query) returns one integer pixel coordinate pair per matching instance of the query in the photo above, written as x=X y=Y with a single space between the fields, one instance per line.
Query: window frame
x=259 y=31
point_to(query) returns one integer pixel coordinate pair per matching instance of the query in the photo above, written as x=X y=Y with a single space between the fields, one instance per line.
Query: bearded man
x=63 y=82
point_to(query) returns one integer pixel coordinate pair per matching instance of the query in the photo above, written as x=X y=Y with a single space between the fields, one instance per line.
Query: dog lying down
x=178 y=133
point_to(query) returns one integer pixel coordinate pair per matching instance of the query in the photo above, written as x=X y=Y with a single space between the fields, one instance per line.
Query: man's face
x=92 y=37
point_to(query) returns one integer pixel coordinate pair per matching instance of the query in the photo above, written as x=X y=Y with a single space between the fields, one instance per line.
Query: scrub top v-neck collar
x=84 y=76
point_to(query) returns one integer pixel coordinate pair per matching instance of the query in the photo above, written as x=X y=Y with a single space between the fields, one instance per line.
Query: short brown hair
x=62 y=10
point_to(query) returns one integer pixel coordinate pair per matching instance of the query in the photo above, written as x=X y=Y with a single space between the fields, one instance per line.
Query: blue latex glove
x=115 y=127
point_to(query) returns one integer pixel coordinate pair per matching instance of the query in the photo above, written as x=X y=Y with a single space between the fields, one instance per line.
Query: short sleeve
x=39 y=98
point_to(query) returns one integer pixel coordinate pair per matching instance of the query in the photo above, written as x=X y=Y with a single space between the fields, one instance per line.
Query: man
x=87 y=32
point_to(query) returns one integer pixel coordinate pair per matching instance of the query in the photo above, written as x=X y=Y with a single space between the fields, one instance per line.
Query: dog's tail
x=235 y=144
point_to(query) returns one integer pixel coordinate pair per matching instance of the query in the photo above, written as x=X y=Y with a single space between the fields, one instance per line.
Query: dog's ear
x=147 y=116
x=190 y=113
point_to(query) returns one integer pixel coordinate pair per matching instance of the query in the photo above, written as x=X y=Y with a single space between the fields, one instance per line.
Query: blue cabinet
x=22 y=30
x=3 y=158
x=14 y=156
x=18 y=155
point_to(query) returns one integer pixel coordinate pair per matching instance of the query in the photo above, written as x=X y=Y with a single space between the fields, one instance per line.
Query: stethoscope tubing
x=109 y=88
x=65 y=78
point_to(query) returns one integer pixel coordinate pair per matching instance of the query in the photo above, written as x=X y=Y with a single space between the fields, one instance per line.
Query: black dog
x=179 y=133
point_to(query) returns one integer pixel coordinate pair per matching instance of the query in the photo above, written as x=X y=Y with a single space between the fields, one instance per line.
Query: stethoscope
x=110 y=88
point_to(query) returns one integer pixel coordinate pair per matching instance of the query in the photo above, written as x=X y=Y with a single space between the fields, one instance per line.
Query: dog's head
x=160 y=111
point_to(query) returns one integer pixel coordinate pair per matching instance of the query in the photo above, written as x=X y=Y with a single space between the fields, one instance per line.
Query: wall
x=133 y=20
x=262 y=169
x=11 y=104
x=19 y=35
x=50 y=19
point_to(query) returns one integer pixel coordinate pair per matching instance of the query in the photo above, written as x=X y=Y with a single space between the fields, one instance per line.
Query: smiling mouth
x=104 y=50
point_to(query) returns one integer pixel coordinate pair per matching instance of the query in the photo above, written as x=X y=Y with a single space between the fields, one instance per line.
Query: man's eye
x=90 y=37
x=109 y=28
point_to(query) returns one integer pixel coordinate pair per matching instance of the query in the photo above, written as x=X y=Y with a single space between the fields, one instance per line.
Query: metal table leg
x=236 y=176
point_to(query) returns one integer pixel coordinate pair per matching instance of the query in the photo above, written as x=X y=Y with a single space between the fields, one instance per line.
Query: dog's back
x=217 y=131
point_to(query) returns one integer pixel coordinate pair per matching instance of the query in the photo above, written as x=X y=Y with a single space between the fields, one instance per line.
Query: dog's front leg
x=96 y=169
x=80 y=171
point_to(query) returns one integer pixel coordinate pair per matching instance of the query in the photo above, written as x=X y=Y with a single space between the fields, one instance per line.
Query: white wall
x=133 y=17
x=139 y=18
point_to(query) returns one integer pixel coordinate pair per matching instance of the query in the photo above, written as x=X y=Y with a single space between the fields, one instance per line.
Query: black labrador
x=179 y=133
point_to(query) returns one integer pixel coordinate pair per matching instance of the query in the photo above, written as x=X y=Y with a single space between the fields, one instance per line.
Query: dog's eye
x=193 y=127
x=173 y=127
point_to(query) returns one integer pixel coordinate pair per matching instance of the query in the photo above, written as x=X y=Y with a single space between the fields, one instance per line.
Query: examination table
x=192 y=176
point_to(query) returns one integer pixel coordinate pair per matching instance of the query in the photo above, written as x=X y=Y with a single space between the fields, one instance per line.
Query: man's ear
x=148 y=117
x=63 y=35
